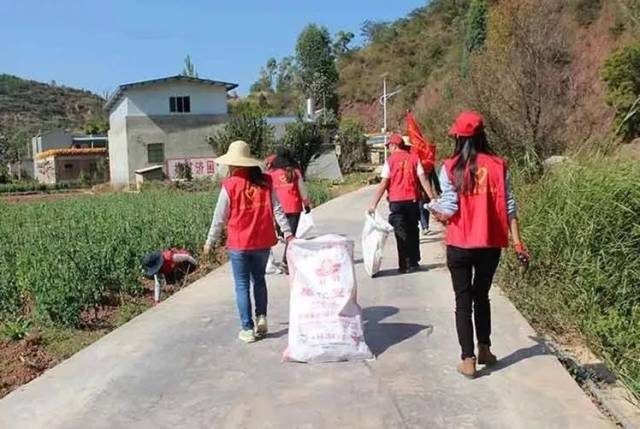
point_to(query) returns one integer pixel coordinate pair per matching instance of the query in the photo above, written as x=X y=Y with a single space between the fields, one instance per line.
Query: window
x=155 y=153
x=68 y=166
x=180 y=104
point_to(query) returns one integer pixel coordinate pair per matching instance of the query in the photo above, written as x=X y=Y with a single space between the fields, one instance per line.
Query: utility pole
x=383 y=101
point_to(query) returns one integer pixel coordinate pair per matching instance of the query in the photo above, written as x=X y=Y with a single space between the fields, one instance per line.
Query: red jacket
x=251 y=221
x=403 y=178
x=481 y=220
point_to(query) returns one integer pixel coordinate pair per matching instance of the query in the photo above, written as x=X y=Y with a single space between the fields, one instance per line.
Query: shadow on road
x=538 y=349
x=393 y=272
x=381 y=336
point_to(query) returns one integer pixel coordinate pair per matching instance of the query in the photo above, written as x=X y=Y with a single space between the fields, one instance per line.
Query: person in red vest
x=402 y=175
x=248 y=206
x=479 y=210
x=290 y=187
x=169 y=264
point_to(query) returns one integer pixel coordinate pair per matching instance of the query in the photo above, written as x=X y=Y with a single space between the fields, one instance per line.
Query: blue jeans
x=249 y=266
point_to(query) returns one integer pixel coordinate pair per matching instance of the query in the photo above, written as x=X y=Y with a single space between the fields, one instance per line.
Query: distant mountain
x=27 y=106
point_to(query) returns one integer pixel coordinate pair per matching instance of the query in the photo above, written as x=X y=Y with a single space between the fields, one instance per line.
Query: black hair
x=285 y=160
x=465 y=166
x=256 y=177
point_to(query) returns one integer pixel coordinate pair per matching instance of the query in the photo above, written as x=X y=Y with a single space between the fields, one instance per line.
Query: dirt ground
x=22 y=361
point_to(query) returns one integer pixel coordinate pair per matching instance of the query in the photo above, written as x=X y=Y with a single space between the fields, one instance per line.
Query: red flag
x=420 y=145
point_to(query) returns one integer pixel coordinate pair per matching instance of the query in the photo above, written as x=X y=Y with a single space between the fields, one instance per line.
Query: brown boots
x=468 y=366
x=485 y=357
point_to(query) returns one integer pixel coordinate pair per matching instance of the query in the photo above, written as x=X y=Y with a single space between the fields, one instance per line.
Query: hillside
x=27 y=107
x=425 y=55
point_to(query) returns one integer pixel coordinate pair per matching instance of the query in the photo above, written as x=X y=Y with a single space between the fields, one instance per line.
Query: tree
x=304 y=141
x=476 y=25
x=189 y=68
x=265 y=82
x=621 y=72
x=374 y=31
x=520 y=81
x=249 y=125
x=353 y=145
x=317 y=68
x=340 y=46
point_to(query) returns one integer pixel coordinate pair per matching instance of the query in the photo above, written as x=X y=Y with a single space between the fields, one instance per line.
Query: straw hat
x=238 y=155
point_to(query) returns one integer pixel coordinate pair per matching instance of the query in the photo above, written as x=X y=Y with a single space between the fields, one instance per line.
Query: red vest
x=288 y=193
x=251 y=222
x=481 y=220
x=168 y=265
x=403 y=179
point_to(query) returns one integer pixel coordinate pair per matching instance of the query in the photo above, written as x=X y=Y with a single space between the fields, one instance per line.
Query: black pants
x=404 y=219
x=472 y=273
x=294 y=220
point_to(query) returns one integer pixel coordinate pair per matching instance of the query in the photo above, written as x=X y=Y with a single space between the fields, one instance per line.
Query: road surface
x=180 y=365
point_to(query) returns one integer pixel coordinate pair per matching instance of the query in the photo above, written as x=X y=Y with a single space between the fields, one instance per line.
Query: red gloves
x=522 y=253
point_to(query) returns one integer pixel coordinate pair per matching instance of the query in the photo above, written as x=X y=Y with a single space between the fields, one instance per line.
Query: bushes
x=586 y=11
x=353 y=146
x=621 y=72
x=583 y=230
x=61 y=258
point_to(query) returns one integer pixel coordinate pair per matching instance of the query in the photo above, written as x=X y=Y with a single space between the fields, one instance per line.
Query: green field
x=61 y=258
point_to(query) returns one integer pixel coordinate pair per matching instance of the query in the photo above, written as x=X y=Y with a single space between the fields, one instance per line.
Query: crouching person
x=248 y=206
x=173 y=264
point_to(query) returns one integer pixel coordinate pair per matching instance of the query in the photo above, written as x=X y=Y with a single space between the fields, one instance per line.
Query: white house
x=165 y=122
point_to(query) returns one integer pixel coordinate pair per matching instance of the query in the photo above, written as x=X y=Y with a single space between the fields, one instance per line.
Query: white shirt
x=386 y=171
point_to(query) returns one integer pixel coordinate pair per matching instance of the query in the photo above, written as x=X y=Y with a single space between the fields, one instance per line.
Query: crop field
x=60 y=259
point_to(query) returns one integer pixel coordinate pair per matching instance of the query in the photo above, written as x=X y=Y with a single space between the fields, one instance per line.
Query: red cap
x=395 y=139
x=467 y=124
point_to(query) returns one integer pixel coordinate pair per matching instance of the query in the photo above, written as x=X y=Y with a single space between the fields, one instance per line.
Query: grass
x=582 y=225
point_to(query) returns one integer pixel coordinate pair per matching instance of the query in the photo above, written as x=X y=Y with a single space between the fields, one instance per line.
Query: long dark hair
x=285 y=160
x=465 y=166
x=256 y=177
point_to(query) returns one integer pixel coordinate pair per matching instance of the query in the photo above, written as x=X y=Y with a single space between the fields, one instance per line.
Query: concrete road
x=180 y=365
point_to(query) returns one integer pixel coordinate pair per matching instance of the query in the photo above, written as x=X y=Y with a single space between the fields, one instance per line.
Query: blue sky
x=98 y=45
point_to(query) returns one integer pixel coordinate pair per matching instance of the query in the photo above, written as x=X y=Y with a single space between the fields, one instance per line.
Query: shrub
x=353 y=145
x=586 y=11
x=319 y=192
x=582 y=228
x=248 y=125
x=621 y=72
x=304 y=141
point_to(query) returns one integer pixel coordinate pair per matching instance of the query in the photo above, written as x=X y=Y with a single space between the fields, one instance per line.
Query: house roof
x=71 y=152
x=178 y=78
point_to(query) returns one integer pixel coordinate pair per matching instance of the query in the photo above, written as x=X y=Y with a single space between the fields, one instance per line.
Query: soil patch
x=22 y=361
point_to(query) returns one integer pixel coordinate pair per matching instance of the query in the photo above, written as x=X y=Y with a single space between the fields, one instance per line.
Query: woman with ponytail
x=479 y=209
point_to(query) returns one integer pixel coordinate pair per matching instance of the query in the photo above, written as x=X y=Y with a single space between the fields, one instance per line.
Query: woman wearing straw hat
x=248 y=206
x=478 y=207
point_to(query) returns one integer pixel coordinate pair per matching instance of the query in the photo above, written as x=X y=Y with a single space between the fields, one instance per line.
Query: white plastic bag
x=305 y=225
x=374 y=236
x=272 y=268
x=325 y=320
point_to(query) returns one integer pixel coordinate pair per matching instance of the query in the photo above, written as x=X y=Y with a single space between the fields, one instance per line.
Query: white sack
x=305 y=225
x=374 y=236
x=325 y=320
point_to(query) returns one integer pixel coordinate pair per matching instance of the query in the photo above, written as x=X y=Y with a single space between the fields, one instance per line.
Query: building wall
x=57 y=139
x=154 y=100
x=118 y=152
x=184 y=136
